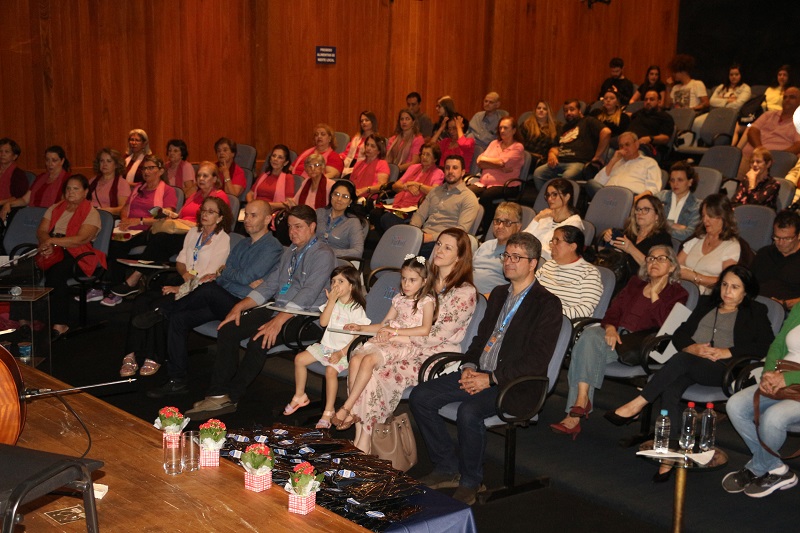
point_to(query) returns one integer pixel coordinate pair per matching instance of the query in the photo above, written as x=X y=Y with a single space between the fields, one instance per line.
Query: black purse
x=629 y=351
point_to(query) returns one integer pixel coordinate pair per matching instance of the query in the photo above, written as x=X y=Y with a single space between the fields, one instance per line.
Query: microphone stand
x=29 y=394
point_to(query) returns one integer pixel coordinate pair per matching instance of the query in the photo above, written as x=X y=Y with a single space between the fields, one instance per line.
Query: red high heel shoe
x=577 y=411
x=564 y=430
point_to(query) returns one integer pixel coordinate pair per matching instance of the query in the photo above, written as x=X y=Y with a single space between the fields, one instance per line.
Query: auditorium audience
x=180 y=173
x=638 y=310
x=617 y=83
x=646 y=227
x=324 y=146
x=48 y=187
x=774 y=130
x=715 y=245
x=487 y=265
x=569 y=276
x=403 y=147
x=652 y=82
x=560 y=211
x=354 y=151
x=416 y=183
x=424 y=122
x=539 y=133
x=455 y=142
x=776 y=266
x=337 y=224
x=13 y=181
x=680 y=204
x=109 y=190
x=276 y=185
x=316 y=188
x=483 y=124
x=138 y=149
x=628 y=168
x=372 y=172
x=758 y=187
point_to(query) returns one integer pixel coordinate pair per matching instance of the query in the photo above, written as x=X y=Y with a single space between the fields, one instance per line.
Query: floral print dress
x=403 y=360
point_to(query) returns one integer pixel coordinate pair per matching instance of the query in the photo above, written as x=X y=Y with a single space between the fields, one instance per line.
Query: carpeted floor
x=595 y=485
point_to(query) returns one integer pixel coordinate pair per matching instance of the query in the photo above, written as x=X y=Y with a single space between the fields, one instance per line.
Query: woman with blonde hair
x=138 y=149
x=611 y=115
x=539 y=133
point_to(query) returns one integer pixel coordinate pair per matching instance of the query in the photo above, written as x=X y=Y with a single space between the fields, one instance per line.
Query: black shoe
x=662 y=477
x=173 y=387
x=617 y=420
x=148 y=319
x=123 y=289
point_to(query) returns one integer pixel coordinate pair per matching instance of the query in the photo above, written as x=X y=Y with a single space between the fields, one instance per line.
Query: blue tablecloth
x=440 y=514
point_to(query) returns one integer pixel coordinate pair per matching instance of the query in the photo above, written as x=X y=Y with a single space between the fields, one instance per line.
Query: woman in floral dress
x=451 y=276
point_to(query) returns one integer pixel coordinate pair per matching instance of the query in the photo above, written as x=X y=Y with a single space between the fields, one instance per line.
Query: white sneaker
x=111 y=300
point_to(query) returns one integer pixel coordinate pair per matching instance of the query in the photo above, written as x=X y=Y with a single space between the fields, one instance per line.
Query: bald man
x=248 y=264
x=483 y=125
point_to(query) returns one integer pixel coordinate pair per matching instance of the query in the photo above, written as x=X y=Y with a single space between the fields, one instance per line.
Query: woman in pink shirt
x=109 y=190
x=180 y=173
x=138 y=149
x=354 y=151
x=372 y=172
x=277 y=185
x=48 y=186
x=455 y=143
x=231 y=174
x=416 y=183
x=324 y=145
x=404 y=145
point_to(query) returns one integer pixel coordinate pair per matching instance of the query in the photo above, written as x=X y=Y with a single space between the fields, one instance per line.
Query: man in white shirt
x=628 y=168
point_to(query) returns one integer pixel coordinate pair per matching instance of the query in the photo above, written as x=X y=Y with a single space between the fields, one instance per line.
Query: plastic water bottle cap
x=663 y=412
x=709 y=405
x=691 y=404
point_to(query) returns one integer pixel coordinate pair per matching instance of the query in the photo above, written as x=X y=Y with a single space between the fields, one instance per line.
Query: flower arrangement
x=170 y=420
x=258 y=461
x=212 y=434
x=303 y=480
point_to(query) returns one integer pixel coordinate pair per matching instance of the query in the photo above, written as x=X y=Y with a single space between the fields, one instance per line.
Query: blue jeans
x=426 y=400
x=590 y=355
x=568 y=171
x=775 y=416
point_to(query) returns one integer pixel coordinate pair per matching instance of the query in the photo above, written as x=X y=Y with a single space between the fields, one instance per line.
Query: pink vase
x=302 y=504
x=257 y=483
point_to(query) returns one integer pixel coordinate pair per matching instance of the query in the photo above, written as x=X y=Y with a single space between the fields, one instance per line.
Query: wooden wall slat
x=83 y=72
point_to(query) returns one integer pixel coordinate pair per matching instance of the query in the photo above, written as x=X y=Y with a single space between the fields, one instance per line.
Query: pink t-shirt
x=192 y=205
x=142 y=201
x=187 y=173
x=433 y=177
x=465 y=147
x=366 y=173
x=101 y=197
x=513 y=157
x=416 y=145
x=332 y=159
x=775 y=135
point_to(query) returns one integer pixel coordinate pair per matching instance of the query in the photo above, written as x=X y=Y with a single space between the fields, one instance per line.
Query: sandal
x=149 y=368
x=129 y=366
x=348 y=421
x=291 y=408
x=323 y=423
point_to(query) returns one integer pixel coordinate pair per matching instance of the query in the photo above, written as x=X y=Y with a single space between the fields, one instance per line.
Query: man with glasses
x=486 y=265
x=776 y=266
x=299 y=282
x=516 y=337
x=628 y=168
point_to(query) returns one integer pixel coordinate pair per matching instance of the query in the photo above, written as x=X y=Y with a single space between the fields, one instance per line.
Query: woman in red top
x=325 y=146
x=455 y=142
x=277 y=184
x=49 y=185
x=13 y=181
x=372 y=172
x=108 y=190
x=180 y=173
x=354 y=151
x=231 y=174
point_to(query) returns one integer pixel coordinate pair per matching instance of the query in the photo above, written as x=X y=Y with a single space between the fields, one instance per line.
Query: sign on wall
x=326 y=55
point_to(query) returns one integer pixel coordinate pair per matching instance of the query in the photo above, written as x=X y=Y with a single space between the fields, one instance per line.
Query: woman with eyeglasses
x=715 y=245
x=560 y=211
x=204 y=250
x=316 y=188
x=758 y=187
x=325 y=147
x=337 y=225
x=646 y=227
x=372 y=172
x=639 y=309
x=138 y=149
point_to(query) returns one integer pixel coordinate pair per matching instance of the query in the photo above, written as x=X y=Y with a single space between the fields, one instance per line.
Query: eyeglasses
x=504 y=223
x=784 y=239
x=556 y=240
x=149 y=168
x=341 y=195
x=209 y=212
x=315 y=165
x=514 y=258
x=643 y=210
x=552 y=195
x=657 y=258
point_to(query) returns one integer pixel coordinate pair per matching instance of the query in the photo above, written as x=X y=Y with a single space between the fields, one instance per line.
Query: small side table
x=36 y=302
x=683 y=464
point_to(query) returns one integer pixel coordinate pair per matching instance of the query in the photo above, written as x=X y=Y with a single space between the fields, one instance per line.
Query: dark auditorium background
x=82 y=73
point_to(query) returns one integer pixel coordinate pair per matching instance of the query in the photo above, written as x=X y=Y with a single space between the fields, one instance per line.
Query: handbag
x=394 y=441
x=170 y=226
x=789 y=392
x=629 y=351
x=45 y=262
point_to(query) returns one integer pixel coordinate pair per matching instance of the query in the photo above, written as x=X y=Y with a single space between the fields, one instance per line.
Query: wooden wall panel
x=83 y=72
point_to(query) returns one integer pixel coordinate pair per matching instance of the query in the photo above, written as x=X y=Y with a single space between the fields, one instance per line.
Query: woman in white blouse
x=560 y=212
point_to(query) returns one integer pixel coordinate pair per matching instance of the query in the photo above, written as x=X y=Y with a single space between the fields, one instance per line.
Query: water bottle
x=708 y=427
x=661 y=442
x=688 y=428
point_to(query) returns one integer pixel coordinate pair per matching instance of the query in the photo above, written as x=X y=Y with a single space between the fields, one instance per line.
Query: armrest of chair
x=358 y=341
x=658 y=343
x=510 y=184
x=470 y=178
x=436 y=363
x=738 y=371
x=155 y=277
x=377 y=270
x=578 y=325
x=679 y=138
x=77 y=273
x=537 y=406
x=21 y=249
x=726 y=139
x=297 y=342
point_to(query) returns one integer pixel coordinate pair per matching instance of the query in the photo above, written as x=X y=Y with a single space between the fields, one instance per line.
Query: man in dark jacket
x=516 y=337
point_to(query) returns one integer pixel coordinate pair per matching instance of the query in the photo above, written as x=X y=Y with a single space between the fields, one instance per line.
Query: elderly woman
x=180 y=173
x=680 y=204
x=757 y=187
x=135 y=215
x=403 y=147
x=455 y=143
x=13 y=181
x=138 y=149
x=205 y=249
x=416 y=183
x=231 y=174
x=380 y=371
x=354 y=151
x=487 y=265
x=539 y=133
x=337 y=225
x=162 y=246
x=560 y=211
x=48 y=186
x=324 y=146
x=372 y=172
x=728 y=323
x=108 y=190
x=67 y=229
x=276 y=185
x=641 y=308
x=646 y=227
x=715 y=245
x=611 y=115
x=569 y=276
x=500 y=162
x=765 y=473
x=316 y=188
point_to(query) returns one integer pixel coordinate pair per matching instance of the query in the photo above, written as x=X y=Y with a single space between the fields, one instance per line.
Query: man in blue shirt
x=247 y=266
